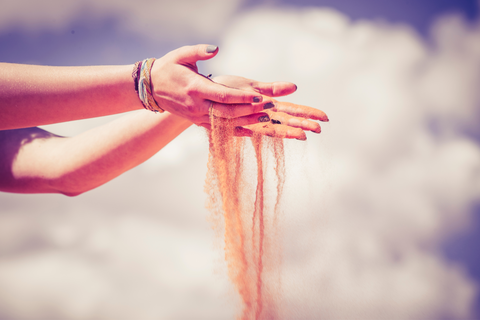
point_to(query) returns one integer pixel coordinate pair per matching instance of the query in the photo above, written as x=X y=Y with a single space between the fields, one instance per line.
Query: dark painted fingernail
x=264 y=118
x=276 y=121
x=257 y=99
x=268 y=105
x=211 y=49
x=295 y=87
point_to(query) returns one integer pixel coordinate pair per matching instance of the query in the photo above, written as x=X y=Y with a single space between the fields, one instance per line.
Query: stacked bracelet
x=143 y=86
x=136 y=74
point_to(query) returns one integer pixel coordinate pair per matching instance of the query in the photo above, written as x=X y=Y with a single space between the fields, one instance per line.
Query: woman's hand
x=179 y=88
x=287 y=120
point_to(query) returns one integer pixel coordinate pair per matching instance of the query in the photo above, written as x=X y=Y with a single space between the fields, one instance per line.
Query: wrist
x=142 y=79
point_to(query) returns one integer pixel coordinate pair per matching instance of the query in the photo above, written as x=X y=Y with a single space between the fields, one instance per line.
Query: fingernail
x=211 y=49
x=301 y=139
x=268 y=105
x=264 y=118
x=296 y=87
x=257 y=99
x=276 y=121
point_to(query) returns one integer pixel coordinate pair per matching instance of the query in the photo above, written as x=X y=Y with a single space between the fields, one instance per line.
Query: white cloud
x=180 y=20
x=389 y=187
x=451 y=79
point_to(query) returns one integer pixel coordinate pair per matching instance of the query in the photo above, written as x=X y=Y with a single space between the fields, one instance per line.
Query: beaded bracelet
x=142 y=78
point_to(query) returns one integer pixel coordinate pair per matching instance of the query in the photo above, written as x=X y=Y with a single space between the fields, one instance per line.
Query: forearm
x=78 y=164
x=37 y=95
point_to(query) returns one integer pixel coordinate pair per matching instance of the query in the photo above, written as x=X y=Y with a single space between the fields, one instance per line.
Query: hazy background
x=380 y=216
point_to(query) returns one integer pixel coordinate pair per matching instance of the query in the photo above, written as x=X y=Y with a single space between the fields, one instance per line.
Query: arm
x=33 y=160
x=36 y=161
x=38 y=95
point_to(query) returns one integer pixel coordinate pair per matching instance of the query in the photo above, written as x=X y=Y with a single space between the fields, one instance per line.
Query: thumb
x=191 y=54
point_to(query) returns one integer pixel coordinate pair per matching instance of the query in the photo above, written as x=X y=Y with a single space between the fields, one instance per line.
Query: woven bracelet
x=136 y=74
x=142 y=78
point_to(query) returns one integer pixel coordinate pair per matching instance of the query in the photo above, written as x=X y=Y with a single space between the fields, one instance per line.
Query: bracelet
x=136 y=74
x=142 y=79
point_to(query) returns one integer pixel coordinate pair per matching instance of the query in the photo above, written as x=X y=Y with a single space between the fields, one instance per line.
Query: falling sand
x=245 y=206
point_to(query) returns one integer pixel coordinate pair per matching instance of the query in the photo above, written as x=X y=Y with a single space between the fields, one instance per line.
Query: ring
x=209 y=76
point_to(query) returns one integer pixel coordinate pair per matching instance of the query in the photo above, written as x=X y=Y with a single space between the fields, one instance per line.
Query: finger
x=279 y=131
x=191 y=54
x=263 y=117
x=251 y=119
x=230 y=111
x=274 y=89
x=238 y=122
x=207 y=126
x=271 y=89
x=222 y=94
x=296 y=122
x=300 y=111
x=239 y=131
x=243 y=132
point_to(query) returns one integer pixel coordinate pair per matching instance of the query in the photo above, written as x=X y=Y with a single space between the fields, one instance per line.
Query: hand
x=287 y=120
x=178 y=88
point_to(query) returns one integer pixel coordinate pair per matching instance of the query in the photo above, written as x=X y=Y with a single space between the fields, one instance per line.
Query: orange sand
x=247 y=211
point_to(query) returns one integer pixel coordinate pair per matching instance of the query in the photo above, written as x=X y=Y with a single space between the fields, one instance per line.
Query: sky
x=380 y=211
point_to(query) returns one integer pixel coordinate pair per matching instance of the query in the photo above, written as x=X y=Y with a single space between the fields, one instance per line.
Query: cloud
x=394 y=172
x=154 y=20
x=367 y=203
x=137 y=248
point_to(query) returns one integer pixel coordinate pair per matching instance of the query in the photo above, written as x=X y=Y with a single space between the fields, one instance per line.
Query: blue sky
x=87 y=38
x=418 y=14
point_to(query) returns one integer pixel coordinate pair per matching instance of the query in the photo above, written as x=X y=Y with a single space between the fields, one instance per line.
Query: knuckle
x=175 y=52
x=192 y=109
x=228 y=112
x=193 y=88
x=221 y=95
x=183 y=49
x=274 y=91
x=196 y=120
x=257 y=86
